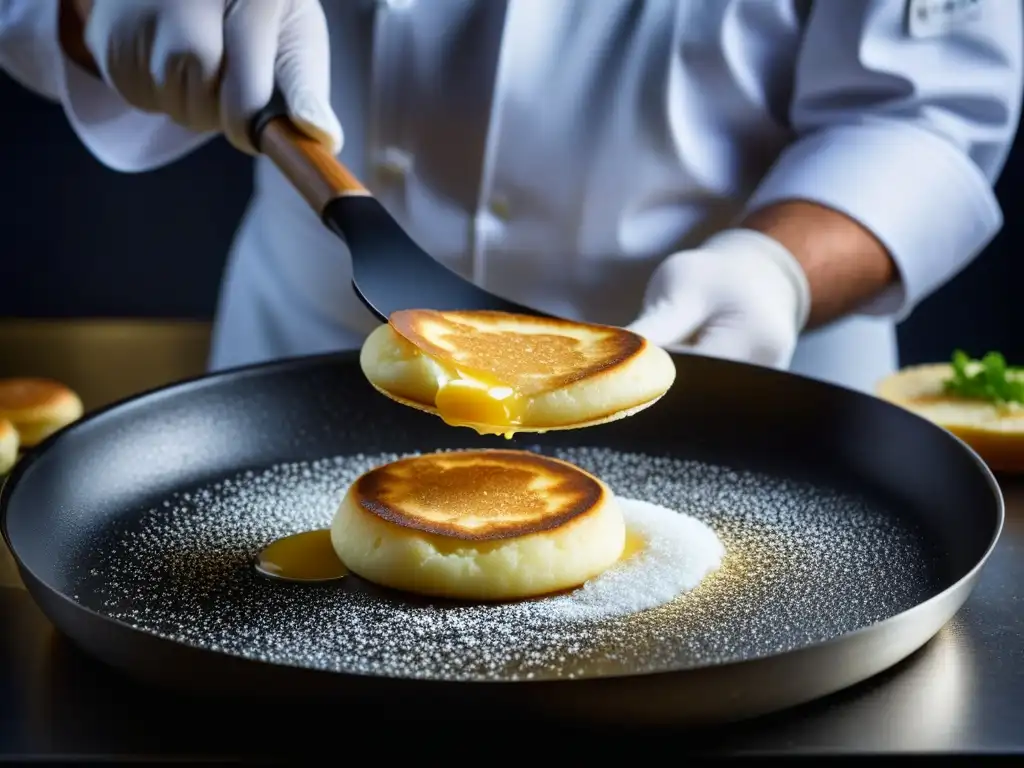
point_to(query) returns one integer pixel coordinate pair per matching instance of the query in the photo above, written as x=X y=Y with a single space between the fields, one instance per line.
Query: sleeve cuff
x=928 y=204
x=28 y=45
x=119 y=136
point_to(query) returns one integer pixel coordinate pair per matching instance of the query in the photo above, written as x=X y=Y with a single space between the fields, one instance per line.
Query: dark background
x=80 y=240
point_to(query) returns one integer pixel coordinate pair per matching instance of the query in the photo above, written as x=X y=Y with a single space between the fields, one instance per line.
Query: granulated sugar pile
x=678 y=552
x=801 y=564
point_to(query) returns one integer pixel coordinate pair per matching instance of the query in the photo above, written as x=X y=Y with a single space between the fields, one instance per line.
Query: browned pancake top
x=22 y=394
x=531 y=354
x=478 y=495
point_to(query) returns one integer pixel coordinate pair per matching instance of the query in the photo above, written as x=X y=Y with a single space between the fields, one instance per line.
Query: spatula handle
x=311 y=168
x=308 y=165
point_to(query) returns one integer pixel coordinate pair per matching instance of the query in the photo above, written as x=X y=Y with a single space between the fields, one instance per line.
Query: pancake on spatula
x=479 y=525
x=501 y=373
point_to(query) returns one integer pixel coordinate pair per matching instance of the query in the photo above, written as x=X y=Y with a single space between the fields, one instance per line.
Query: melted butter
x=307 y=556
x=635 y=544
x=489 y=407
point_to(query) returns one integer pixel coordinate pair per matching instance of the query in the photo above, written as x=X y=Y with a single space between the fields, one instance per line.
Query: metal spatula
x=389 y=270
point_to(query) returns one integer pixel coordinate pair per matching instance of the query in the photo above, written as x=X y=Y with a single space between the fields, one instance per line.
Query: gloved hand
x=740 y=296
x=211 y=64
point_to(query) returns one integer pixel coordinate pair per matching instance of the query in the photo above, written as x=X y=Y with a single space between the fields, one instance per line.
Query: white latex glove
x=740 y=296
x=211 y=64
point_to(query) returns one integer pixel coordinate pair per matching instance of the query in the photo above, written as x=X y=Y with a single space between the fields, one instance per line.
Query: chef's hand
x=740 y=296
x=211 y=64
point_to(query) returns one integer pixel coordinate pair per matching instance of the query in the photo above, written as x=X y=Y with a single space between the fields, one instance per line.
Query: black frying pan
x=854 y=531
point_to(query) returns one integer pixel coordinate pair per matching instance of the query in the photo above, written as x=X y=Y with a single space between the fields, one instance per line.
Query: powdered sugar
x=801 y=564
x=678 y=552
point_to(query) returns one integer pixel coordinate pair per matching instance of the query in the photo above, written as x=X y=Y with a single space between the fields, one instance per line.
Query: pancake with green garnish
x=981 y=401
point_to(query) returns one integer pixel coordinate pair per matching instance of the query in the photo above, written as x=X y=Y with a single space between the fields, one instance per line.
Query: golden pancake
x=500 y=373
x=478 y=525
x=37 y=407
x=995 y=432
x=8 y=446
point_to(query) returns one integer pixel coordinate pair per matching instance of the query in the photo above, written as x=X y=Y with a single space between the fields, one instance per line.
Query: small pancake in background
x=37 y=407
x=996 y=433
x=501 y=373
x=479 y=525
x=9 y=443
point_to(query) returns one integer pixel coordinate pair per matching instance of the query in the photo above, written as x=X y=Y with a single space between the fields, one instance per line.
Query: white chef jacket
x=554 y=151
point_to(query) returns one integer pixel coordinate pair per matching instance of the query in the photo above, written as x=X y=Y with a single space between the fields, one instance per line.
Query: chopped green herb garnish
x=989 y=378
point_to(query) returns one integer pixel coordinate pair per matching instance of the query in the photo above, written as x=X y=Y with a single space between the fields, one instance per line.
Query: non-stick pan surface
x=854 y=530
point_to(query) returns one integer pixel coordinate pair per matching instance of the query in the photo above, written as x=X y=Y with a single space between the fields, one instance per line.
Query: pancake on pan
x=478 y=525
x=37 y=407
x=501 y=373
x=8 y=446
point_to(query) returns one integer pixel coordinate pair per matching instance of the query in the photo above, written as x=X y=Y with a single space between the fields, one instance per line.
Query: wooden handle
x=311 y=168
x=309 y=165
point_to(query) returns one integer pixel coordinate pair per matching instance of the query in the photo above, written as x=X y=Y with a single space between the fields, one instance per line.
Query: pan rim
x=10 y=483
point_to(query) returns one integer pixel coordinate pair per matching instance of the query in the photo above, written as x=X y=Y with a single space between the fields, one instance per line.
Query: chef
x=774 y=181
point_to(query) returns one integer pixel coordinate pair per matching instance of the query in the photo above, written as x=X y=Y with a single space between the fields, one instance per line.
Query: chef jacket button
x=499 y=208
x=393 y=163
x=491 y=229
